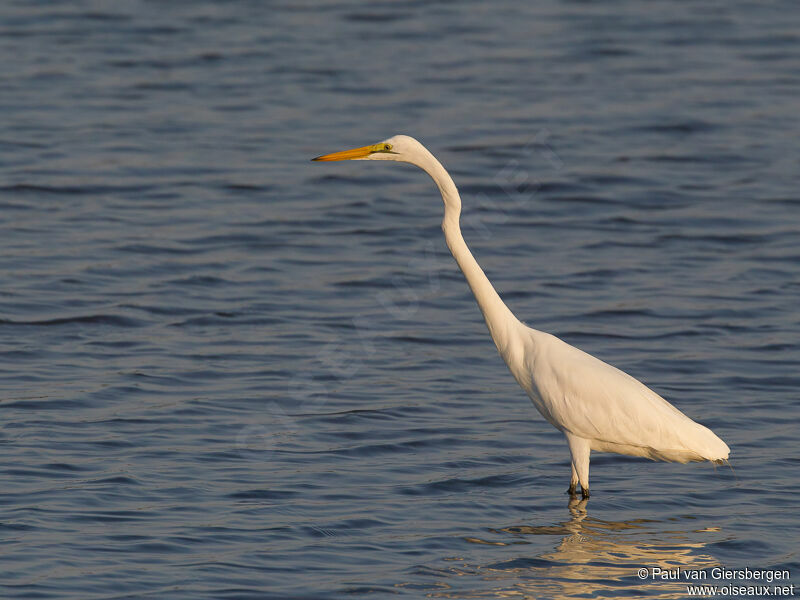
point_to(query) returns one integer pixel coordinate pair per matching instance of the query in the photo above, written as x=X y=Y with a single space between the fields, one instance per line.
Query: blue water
x=229 y=372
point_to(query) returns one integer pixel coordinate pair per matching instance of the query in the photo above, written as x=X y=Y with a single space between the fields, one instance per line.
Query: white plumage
x=595 y=405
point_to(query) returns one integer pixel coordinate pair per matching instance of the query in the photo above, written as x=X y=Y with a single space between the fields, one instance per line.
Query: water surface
x=229 y=372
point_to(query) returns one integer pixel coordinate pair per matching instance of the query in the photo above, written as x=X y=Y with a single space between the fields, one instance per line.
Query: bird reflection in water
x=594 y=558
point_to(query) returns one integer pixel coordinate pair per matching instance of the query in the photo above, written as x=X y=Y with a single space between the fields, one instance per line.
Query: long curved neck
x=499 y=318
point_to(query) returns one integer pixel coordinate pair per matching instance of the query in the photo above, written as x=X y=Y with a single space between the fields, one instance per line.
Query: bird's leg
x=573 y=483
x=579 y=449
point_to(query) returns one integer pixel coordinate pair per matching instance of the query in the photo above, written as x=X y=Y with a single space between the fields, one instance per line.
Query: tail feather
x=699 y=443
x=708 y=445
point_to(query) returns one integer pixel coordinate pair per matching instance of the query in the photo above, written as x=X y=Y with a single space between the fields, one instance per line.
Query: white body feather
x=587 y=398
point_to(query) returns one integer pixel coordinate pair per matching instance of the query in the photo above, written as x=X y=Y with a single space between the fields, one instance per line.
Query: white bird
x=596 y=406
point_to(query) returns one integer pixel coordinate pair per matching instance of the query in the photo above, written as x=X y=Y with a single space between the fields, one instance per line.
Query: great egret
x=595 y=405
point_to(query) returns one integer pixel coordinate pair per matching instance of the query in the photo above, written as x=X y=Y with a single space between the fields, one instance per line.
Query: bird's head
x=402 y=148
x=399 y=147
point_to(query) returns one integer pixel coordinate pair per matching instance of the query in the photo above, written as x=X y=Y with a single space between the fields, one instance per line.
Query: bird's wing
x=596 y=401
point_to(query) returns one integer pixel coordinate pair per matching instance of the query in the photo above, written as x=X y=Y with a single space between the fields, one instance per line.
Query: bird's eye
x=387 y=146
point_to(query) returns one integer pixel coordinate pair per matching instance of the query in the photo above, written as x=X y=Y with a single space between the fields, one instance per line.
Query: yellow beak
x=348 y=154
